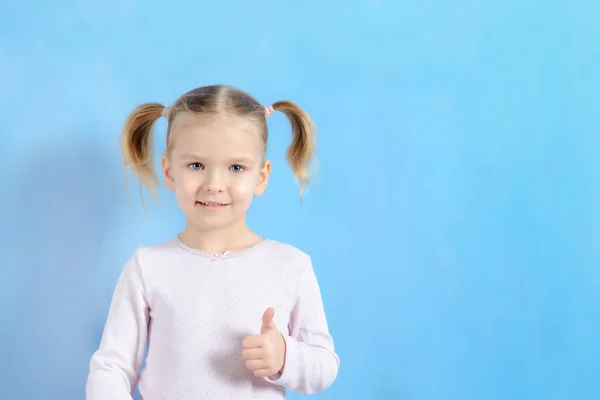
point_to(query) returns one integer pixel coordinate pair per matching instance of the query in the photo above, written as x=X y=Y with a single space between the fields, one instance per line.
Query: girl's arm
x=311 y=364
x=114 y=367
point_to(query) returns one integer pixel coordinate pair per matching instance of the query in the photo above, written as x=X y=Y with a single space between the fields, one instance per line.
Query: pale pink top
x=193 y=309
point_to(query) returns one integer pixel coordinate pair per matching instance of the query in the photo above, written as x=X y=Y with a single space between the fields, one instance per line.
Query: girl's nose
x=214 y=183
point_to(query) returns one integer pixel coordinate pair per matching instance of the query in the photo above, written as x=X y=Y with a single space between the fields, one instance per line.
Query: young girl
x=225 y=313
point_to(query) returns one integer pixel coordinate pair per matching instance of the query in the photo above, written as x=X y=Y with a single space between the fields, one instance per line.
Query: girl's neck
x=234 y=238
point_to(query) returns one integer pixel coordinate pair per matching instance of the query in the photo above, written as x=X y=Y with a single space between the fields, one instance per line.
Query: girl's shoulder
x=285 y=251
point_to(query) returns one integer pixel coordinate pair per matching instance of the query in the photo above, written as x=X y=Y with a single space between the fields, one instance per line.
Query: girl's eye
x=236 y=168
x=196 y=166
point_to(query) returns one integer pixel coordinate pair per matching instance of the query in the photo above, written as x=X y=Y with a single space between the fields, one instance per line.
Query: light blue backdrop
x=453 y=221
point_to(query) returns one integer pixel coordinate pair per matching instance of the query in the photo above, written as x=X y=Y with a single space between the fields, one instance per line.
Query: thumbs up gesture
x=264 y=354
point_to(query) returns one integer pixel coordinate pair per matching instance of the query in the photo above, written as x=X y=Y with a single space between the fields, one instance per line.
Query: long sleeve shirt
x=188 y=311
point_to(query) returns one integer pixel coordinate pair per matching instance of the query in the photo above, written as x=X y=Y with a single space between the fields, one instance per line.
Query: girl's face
x=215 y=166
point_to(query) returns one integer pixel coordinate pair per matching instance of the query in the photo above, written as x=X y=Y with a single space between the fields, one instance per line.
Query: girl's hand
x=264 y=354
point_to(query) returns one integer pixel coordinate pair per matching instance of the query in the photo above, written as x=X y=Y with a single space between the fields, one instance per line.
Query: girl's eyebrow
x=241 y=160
x=233 y=160
x=190 y=155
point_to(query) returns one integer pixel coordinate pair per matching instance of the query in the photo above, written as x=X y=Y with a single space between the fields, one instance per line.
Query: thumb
x=267 y=320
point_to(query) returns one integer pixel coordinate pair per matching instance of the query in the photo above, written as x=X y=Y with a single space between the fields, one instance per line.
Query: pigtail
x=301 y=151
x=137 y=144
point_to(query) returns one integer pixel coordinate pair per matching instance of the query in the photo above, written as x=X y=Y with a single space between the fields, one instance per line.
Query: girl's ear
x=167 y=173
x=263 y=179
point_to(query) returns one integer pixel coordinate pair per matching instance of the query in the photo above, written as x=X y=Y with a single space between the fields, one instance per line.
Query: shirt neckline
x=219 y=256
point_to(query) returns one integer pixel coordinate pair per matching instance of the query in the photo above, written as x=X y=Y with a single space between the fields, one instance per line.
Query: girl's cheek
x=245 y=184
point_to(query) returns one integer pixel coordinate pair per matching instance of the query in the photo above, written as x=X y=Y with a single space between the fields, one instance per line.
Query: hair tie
x=268 y=111
x=165 y=112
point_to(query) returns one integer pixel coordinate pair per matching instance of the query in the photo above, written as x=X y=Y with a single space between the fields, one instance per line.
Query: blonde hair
x=138 y=129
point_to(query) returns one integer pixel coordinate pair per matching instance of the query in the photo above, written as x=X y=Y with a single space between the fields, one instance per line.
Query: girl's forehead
x=215 y=121
x=214 y=124
x=218 y=134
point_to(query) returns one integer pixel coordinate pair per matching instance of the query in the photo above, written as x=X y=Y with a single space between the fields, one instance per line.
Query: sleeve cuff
x=290 y=367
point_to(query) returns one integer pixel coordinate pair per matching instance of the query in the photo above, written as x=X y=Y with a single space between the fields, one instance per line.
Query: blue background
x=453 y=220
